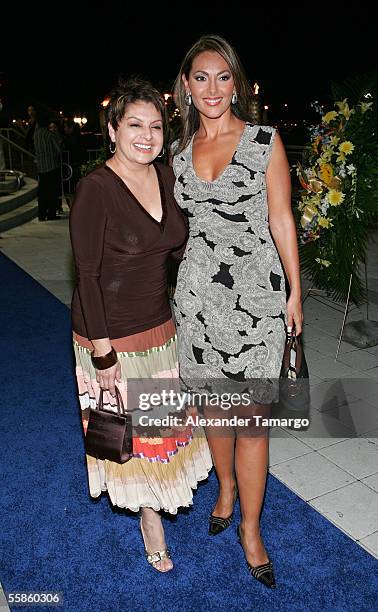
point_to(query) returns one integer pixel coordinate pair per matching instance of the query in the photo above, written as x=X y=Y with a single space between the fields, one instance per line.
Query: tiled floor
x=334 y=464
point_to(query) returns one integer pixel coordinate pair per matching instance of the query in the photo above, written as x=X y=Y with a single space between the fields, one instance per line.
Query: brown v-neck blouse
x=121 y=254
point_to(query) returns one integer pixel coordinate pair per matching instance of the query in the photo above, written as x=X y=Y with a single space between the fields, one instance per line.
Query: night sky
x=70 y=60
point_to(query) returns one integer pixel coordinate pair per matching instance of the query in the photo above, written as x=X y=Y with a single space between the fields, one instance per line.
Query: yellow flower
x=365 y=106
x=335 y=198
x=325 y=156
x=326 y=173
x=324 y=222
x=315 y=144
x=334 y=140
x=315 y=200
x=346 y=147
x=348 y=112
x=341 y=104
x=344 y=108
x=323 y=262
x=311 y=200
x=341 y=158
x=330 y=116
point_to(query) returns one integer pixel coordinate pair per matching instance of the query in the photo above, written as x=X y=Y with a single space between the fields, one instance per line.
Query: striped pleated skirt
x=163 y=470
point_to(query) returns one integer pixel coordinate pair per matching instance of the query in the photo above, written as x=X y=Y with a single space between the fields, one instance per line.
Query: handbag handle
x=119 y=402
x=290 y=333
x=299 y=367
x=292 y=342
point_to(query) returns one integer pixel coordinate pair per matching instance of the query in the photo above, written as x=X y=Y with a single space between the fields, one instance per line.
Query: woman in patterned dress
x=125 y=224
x=233 y=182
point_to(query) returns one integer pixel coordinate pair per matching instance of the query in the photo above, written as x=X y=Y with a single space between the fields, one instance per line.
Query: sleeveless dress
x=230 y=299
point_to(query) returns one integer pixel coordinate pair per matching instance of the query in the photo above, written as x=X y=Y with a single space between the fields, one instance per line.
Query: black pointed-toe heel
x=263 y=573
x=217 y=524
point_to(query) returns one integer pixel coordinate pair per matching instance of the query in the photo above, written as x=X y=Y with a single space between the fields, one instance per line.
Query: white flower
x=341 y=171
x=351 y=168
x=324 y=208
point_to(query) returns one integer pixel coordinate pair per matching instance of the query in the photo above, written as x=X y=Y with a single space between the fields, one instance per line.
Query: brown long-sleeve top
x=121 y=254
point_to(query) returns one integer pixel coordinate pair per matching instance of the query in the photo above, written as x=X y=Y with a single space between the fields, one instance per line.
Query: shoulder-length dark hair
x=189 y=114
x=128 y=91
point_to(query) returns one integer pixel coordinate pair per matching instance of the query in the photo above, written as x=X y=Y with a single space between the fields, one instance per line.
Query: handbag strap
x=293 y=342
x=119 y=402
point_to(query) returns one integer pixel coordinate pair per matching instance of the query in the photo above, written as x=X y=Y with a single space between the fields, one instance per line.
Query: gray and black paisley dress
x=230 y=299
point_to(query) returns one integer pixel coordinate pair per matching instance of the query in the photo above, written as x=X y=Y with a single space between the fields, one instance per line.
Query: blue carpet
x=55 y=538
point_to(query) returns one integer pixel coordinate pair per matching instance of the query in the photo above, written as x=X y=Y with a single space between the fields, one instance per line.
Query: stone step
x=15 y=200
x=19 y=215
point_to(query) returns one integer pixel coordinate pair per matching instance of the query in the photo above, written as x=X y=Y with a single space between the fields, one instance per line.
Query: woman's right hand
x=107 y=378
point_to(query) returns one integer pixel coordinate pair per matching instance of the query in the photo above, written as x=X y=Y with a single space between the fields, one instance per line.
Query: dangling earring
x=234 y=98
x=188 y=98
x=112 y=147
x=161 y=153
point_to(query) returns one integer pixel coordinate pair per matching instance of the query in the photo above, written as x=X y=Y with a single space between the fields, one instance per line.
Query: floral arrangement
x=338 y=199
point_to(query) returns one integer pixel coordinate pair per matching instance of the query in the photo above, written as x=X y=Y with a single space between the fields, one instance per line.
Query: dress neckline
x=217 y=178
x=160 y=223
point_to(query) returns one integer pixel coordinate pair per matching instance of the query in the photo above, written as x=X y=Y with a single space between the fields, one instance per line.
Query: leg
x=53 y=192
x=42 y=198
x=153 y=537
x=251 y=462
x=222 y=448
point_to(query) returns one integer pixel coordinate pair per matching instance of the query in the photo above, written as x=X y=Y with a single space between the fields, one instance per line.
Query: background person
x=48 y=157
x=72 y=142
x=31 y=123
x=2 y=156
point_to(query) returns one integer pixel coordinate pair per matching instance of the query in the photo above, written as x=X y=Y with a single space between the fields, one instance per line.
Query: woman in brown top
x=124 y=226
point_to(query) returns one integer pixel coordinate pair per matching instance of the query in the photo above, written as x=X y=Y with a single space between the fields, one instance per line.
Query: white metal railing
x=93 y=154
x=12 y=146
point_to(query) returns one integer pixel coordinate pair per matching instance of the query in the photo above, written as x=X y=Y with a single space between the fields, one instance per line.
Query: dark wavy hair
x=128 y=91
x=189 y=114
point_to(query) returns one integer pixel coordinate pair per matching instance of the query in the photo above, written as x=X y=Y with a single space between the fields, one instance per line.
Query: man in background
x=48 y=156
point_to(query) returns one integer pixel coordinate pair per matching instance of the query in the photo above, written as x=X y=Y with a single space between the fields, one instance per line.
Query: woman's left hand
x=107 y=378
x=295 y=314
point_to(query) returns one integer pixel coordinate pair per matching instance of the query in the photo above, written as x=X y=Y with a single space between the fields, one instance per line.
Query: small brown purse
x=294 y=384
x=109 y=435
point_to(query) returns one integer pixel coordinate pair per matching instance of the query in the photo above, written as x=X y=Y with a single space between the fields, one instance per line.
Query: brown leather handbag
x=294 y=384
x=109 y=434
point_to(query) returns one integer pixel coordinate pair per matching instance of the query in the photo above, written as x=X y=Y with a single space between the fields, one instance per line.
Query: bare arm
x=282 y=227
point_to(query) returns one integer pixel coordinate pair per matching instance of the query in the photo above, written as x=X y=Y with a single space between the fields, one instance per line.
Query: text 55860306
x=34 y=598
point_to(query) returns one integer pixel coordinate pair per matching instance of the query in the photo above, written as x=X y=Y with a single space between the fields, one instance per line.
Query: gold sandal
x=155 y=557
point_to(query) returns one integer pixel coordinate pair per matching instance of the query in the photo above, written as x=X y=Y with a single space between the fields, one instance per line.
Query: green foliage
x=95 y=163
x=333 y=237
